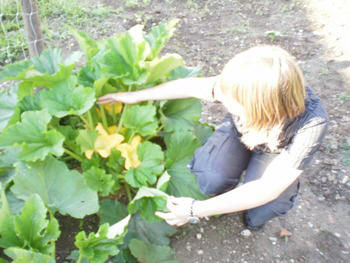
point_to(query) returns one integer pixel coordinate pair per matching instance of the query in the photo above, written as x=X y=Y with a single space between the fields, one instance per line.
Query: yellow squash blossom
x=129 y=152
x=114 y=108
x=104 y=143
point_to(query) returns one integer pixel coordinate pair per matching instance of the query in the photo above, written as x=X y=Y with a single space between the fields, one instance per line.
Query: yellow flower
x=129 y=152
x=114 y=108
x=104 y=142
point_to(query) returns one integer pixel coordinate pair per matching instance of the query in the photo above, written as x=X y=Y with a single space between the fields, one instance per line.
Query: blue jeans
x=219 y=164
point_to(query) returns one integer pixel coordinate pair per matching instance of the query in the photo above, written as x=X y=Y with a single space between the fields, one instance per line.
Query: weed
x=273 y=35
x=344 y=97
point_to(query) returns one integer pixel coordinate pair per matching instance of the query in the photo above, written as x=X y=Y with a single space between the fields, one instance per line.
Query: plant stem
x=127 y=188
x=114 y=116
x=85 y=122
x=103 y=116
x=91 y=121
x=121 y=117
x=74 y=155
x=80 y=258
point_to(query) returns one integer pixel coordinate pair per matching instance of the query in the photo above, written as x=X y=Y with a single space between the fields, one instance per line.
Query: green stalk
x=128 y=192
x=114 y=116
x=80 y=258
x=85 y=122
x=74 y=155
x=121 y=117
x=104 y=119
x=91 y=121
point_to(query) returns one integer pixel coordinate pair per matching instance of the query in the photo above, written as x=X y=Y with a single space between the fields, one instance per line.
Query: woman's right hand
x=124 y=97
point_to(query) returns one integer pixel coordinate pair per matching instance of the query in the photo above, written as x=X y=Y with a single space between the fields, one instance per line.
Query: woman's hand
x=179 y=211
x=124 y=97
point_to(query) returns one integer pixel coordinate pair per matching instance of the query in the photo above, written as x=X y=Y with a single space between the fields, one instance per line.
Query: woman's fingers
x=166 y=216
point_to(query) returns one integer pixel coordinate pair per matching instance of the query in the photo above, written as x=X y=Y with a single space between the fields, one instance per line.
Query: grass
x=346 y=147
x=55 y=16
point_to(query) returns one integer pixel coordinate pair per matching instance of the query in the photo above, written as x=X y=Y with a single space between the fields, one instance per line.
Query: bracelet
x=193 y=219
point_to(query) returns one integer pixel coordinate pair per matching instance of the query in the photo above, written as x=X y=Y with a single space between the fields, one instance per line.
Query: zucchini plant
x=63 y=153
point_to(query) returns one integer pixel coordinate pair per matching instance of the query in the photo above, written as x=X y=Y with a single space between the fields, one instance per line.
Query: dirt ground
x=317 y=33
x=210 y=33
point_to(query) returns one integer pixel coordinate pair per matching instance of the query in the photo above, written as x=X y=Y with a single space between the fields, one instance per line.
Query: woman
x=275 y=126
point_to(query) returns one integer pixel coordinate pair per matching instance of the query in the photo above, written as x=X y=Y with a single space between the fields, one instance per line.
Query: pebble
x=201 y=230
x=310 y=224
x=345 y=179
x=273 y=240
x=324 y=179
x=198 y=235
x=200 y=252
x=188 y=248
x=246 y=232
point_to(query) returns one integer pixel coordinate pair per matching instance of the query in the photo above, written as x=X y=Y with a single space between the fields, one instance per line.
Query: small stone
x=338 y=197
x=199 y=236
x=337 y=235
x=321 y=198
x=324 y=179
x=273 y=239
x=310 y=224
x=345 y=179
x=200 y=252
x=201 y=230
x=246 y=232
x=188 y=248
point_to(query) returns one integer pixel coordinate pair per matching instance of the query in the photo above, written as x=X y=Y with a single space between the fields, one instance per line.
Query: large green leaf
x=151 y=157
x=147 y=201
x=8 y=101
x=159 y=68
x=159 y=36
x=66 y=99
x=157 y=233
x=99 y=181
x=180 y=149
x=8 y=235
x=141 y=119
x=30 y=103
x=185 y=72
x=150 y=253
x=30 y=229
x=87 y=45
x=59 y=188
x=180 y=114
x=13 y=70
x=33 y=136
x=111 y=211
x=20 y=255
x=48 y=61
x=9 y=157
x=97 y=247
x=34 y=229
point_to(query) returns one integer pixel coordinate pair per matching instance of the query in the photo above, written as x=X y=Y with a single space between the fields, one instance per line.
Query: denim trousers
x=219 y=164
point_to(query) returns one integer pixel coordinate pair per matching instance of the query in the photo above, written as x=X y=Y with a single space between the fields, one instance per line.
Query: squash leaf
x=151 y=157
x=141 y=119
x=33 y=136
x=66 y=98
x=147 y=201
x=59 y=188
x=97 y=247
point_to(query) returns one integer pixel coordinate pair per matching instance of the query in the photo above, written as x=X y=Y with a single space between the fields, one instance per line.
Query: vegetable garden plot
x=63 y=153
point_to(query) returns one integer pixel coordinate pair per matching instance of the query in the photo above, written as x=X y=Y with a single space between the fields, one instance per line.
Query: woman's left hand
x=179 y=211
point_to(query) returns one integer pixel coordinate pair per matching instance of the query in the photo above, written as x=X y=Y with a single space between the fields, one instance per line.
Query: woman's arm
x=249 y=195
x=200 y=88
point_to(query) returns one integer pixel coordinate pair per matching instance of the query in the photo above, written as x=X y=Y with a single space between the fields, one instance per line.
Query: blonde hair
x=267 y=82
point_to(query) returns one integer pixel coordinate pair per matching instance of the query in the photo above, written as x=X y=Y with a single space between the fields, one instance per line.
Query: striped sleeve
x=304 y=144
